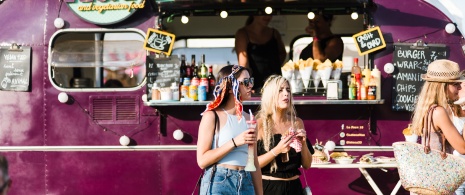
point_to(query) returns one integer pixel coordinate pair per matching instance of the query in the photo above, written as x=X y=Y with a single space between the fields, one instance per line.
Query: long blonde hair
x=268 y=108
x=431 y=93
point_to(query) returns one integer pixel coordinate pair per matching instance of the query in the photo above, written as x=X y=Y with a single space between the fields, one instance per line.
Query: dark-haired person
x=325 y=44
x=223 y=152
x=260 y=48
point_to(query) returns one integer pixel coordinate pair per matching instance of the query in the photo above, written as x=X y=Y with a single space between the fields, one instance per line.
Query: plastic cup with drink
x=250 y=166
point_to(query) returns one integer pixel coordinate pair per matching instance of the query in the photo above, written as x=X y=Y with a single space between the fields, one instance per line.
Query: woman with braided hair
x=282 y=143
x=222 y=151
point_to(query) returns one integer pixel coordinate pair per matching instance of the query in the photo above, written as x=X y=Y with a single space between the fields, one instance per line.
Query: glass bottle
x=203 y=68
x=183 y=69
x=211 y=82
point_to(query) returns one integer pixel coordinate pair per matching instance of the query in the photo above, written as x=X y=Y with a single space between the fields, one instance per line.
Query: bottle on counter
x=195 y=78
x=203 y=68
x=366 y=74
x=175 y=90
x=355 y=68
x=377 y=77
x=156 y=92
x=192 y=67
x=182 y=69
x=371 y=94
x=211 y=82
x=352 y=90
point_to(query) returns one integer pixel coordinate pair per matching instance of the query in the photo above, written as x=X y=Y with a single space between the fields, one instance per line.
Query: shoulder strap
x=428 y=127
x=217 y=127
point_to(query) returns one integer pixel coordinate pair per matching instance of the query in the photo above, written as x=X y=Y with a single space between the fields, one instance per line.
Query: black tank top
x=308 y=51
x=263 y=60
x=285 y=169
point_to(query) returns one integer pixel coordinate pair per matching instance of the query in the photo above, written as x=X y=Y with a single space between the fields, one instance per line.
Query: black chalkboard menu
x=15 y=68
x=369 y=41
x=410 y=61
x=159 y=41
x=163 y=71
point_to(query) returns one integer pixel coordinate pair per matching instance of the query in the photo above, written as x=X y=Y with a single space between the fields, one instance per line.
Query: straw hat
x=443 y=71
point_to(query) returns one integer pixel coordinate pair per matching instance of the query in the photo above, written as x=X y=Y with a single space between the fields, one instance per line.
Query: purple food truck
x=78 y=114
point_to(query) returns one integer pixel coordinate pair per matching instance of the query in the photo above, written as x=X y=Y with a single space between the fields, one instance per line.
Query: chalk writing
x=15 y=67
x=410 y=63
x=369 y=41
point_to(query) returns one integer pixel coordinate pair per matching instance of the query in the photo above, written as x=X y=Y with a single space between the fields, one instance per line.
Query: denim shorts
x=226 y=181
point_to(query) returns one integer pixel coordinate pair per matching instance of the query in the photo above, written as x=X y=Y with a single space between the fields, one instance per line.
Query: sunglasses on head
x=247 y=81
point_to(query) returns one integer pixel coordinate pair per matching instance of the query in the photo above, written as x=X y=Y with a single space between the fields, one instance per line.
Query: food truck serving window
x=97 y=59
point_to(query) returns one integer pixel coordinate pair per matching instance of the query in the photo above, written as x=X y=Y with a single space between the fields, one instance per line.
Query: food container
x=344 y=160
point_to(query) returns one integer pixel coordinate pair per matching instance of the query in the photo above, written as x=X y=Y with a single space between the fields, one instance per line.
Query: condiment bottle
x=371 y=95
x=352 y=90
x=175 y=91
x=155 y=92
x=366 y=74
x=377 y=77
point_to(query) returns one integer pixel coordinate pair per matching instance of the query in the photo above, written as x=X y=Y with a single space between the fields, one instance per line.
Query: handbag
x=306 y=190
x=199 y=181
x=428 y=171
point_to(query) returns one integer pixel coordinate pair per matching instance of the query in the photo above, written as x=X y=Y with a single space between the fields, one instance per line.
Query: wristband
x=315 y=39
x=234 y=142
x=273 y=153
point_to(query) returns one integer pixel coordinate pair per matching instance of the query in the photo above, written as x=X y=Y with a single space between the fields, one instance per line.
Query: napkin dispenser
x=334 y=90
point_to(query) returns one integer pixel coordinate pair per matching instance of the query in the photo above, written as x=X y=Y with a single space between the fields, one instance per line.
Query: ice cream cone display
x=288 y=70
x=337 y=70
x=305 y=70
x=315 y=76
x=324 y=70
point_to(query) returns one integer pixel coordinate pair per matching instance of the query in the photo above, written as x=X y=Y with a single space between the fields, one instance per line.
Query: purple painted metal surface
x=36 y=118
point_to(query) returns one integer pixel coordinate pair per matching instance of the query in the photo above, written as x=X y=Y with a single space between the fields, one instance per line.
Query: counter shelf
x=256 y=101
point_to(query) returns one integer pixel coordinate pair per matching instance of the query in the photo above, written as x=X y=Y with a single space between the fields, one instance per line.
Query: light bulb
x=268 y=10
x=63 y=97
x=330 y=145
x=311 y=15
x=389 y=68
x=144 y=98
x=354 y=15
x=178 y=134
x=450 y=28
x=224 y=14
x=124 y=140
x=184 y=19
x=59 y=23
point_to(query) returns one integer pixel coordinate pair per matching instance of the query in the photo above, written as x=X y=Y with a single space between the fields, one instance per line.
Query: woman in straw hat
x=223 y=152
x=283 y=146
x=441 y=88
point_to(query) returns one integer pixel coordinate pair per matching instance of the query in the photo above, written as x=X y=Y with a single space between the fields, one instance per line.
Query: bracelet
x=234 y=142
x=315 y=38
x=273 y=153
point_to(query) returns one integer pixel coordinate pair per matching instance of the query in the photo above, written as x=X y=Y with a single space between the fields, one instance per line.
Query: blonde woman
x=282 y=143
x=441 y=88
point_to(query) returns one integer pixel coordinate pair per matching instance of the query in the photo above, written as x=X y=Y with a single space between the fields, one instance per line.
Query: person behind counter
x=223 y=152
x=441 y=88
x=282 y=143
x=260 y=48
x=325 y=44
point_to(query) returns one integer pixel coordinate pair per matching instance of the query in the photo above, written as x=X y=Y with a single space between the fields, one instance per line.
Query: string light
x=268 y=10
x=184 y=19
x=450 y=28
x=354 y=15
x=311 y=15
x=224 y=14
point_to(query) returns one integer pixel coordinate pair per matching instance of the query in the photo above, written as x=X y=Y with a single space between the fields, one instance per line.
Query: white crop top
x=232 y=128
x=459 y=123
